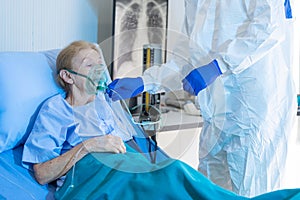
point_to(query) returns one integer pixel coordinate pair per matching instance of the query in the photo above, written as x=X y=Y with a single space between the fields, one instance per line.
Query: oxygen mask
x=97 y=78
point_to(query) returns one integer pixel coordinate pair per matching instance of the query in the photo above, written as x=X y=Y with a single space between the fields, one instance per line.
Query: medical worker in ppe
x=240 y=53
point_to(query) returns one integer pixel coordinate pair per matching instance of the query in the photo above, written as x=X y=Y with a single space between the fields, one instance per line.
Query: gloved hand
x=125 y=88
x=199 y=78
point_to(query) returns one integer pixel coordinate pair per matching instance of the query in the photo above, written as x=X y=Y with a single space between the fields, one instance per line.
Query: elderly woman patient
x=66 y=126
x=79 y=141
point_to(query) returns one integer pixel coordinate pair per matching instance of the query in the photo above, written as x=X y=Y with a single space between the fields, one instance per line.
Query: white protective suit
x=249 y=110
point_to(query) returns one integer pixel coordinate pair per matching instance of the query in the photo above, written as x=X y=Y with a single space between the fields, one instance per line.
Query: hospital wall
x=32 y=25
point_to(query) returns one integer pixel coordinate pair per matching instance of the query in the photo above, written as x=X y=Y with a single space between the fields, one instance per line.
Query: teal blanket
x=132 y=176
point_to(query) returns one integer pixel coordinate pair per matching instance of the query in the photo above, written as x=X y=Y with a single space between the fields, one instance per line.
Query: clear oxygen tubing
x=142 y=123
x=71 y=186
x=148 y=123
x=96 y=76
x=82 y=75
x=102 y=87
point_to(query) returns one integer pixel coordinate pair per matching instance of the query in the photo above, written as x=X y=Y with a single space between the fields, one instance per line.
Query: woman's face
x=84 y=63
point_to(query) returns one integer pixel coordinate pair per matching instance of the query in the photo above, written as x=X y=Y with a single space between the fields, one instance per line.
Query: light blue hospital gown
x=59 y=127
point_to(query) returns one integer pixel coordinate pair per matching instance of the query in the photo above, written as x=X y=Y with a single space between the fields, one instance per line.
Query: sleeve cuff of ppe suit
x=222 y=65
x=148 y=84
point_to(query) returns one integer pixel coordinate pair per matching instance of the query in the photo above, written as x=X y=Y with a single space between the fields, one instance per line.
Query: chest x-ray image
x=137 y=22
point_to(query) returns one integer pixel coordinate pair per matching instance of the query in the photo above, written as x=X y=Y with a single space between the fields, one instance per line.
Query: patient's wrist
x=86 y=147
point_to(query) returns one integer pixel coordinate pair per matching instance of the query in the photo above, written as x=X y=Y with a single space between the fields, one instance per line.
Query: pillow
x=51 y=56
x=26 y=79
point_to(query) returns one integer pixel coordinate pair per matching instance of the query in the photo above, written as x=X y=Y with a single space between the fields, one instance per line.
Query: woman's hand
x=55 y=168
x=105 y=143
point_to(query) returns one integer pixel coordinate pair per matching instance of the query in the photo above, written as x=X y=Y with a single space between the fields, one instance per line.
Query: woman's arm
x=53 y=169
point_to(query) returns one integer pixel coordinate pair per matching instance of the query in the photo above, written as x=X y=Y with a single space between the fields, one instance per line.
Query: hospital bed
x=26 y=80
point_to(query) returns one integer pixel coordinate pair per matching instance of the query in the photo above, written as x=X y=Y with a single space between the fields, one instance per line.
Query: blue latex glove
x=125 y=88
x=199 y=78
x=288 y=9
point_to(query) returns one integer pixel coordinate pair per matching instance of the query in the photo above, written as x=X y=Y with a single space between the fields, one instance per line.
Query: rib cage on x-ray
x=138 y=22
